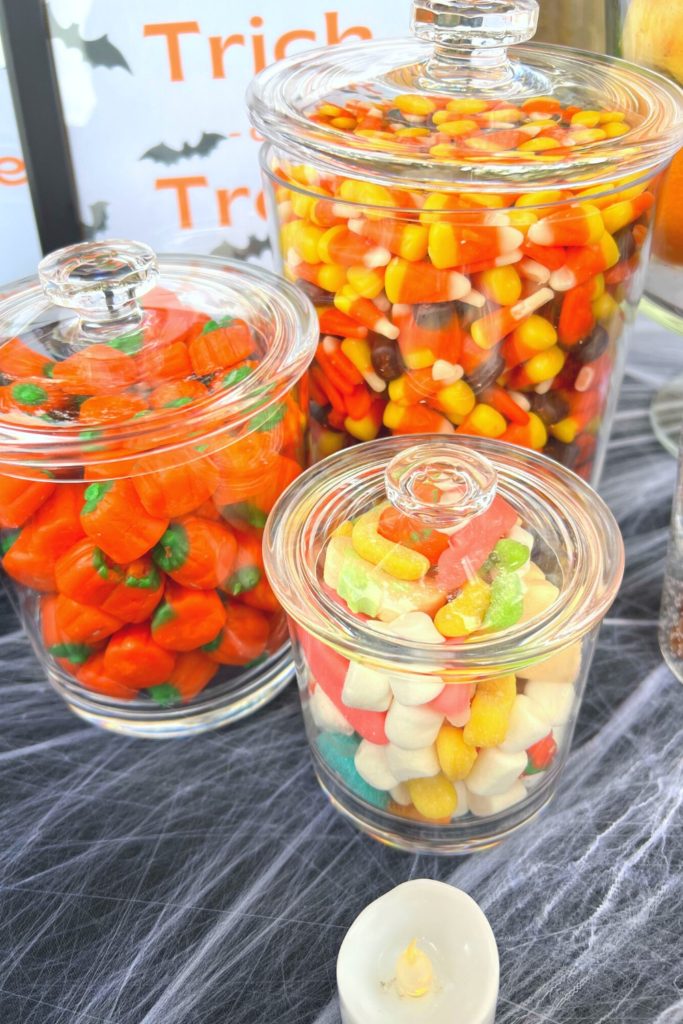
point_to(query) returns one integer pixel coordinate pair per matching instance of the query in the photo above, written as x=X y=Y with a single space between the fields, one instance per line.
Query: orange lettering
x=254 y=136
x=260 y=204
x=218 y=47
x=12 y=171
x=333 y=35
x=226 y=197
x=291 y=37
x=258 y=45
x=182 y=188
x=173 y=30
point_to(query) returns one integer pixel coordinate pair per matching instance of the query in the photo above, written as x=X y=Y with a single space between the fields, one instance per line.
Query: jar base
x=210 y=711
x=461 y=837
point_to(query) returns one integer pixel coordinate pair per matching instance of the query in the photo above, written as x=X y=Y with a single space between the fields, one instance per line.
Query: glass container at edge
x=423 y=240
x=151 y=412
x=534 y=671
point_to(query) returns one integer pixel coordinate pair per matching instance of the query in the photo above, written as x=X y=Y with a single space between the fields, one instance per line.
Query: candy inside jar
x=472 y=225
x=149 y=420
x=443 y=599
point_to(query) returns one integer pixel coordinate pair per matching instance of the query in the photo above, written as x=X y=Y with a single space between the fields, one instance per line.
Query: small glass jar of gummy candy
x=150 y=415
x=444 y=597
x=471 y=223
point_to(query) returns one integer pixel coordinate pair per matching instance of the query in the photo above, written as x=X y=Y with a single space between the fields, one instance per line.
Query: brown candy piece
x=385 y=357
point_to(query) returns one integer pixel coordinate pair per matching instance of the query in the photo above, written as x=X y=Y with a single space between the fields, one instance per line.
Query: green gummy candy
x=362 y=594
x=505 y=608
x=510 y=554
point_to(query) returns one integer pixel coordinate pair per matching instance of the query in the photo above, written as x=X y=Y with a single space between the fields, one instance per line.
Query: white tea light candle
x=423 y=953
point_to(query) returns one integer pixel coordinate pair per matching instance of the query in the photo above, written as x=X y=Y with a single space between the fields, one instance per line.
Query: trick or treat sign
x=19 y=258
x=153 y=99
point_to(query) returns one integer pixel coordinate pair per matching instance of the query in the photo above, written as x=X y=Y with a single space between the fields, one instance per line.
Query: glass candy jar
x=671 y=615
x=444 y=597
x=471 y=223
x=150 y=416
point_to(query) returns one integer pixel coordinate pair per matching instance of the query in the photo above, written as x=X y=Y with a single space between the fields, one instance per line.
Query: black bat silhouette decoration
x=99 y=220
x=163 y=154
x=254 y=247
x=99 y=53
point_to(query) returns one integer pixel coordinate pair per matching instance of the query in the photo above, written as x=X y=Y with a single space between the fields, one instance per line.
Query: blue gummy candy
x=339 y=751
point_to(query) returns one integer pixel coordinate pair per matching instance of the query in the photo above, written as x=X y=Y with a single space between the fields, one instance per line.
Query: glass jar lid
x=511 y=556
x=455 y=107
x=117 y=351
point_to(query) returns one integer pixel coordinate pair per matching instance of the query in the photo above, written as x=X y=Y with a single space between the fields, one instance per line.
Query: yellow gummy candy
x=490 y=712
x=464 y=613
x=455 y=756
x=400 y=562
x=434 y=798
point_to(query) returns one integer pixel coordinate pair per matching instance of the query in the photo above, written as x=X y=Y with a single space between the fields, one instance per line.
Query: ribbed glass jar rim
x=259 y=296
x=280 y=97
x=551 y=500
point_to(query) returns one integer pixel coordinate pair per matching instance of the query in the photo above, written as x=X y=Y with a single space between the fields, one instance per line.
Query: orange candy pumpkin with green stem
x=83 y=623
x=186 y=618
x=18 y=361
x=68 y=653
x=128 y=592
x=219 y=344
x=167 y=489
x=132 y=657
x=192 y=672
x=19 y=499
x=116 y=520
x=51 y=531
x=96 y=370
x=197 y=552
x=242 y=639
x=93 y=676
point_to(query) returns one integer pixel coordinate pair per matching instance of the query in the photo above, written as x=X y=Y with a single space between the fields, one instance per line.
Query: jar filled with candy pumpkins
x=151 y=412
x=472 y=220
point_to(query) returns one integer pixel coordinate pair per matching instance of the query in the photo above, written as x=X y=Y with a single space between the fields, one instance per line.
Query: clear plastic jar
x=671 y=615
x=472 y=225
x=652 y=35
x=150 y=415
x=444 y=597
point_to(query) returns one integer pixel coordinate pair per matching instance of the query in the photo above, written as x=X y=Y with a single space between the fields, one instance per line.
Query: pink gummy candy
x=469 y=548
x=329 y=671
x=454 y=702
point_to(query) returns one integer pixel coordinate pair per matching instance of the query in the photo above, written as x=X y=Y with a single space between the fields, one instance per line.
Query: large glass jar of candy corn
x=150 y=415
x=471 y=223
x=444 y=596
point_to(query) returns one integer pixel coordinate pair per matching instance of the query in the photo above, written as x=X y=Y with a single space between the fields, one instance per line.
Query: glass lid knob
x=103 y=282
x=470 y=40
x=441 y=487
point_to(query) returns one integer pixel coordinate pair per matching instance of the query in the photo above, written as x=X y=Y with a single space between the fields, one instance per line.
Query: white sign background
x=147 y=87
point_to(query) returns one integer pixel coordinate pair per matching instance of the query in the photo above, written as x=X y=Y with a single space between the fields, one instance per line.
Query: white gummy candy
x=412 y=728
x=412 y=689
x=372 y=766
x=366 y=688
x=555 y=700
x=401 y=795
x=417 y=626
x=527 y=725
x=326 y=715
x=412 y=764
x=463 y=800
x=483 y=806
x=495 y=771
